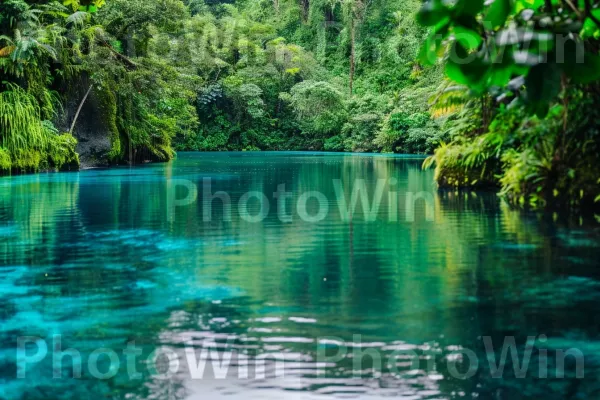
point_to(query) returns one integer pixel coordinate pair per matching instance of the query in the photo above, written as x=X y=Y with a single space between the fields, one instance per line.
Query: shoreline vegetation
x=501 y=94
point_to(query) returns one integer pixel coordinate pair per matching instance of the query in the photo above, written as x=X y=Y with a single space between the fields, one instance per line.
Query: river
x=162 y=292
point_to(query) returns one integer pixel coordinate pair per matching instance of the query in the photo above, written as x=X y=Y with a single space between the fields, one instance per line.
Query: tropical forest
x=374 y=198
x=502 y=95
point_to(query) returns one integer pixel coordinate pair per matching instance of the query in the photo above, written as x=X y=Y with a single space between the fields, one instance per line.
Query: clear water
x=96 y=259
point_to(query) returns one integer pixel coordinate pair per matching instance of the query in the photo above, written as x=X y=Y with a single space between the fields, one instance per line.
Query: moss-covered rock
x=96 y=131
x=61 y=153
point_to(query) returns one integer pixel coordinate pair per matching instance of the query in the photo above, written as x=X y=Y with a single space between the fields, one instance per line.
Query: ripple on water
x=92 y=256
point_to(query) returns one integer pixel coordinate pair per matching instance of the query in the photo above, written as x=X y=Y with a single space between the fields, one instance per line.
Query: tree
x=354 y=11
x=129 y=21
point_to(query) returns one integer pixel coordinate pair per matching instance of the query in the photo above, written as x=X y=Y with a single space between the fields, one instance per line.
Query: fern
x=20 y=121
x=448 y=99
x=78 y=18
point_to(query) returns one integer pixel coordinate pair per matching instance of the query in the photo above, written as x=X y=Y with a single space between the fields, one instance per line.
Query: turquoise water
x=103 y=258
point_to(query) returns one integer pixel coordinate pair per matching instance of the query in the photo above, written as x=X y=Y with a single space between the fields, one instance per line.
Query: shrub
x=360 y=132
x=319 y=107
x=27 y=160
x=414 y=133
x=61 y=152
x=464 y=165
x=5 y=161
x=334 y=143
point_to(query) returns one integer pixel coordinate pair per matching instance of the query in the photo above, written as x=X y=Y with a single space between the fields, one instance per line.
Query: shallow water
x=103 y=258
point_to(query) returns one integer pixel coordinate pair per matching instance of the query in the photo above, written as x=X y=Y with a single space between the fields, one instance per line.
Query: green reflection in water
x=96 y=257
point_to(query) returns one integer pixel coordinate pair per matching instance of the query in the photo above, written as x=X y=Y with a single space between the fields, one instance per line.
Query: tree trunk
x=79 y=109
x=305 y=5
x=352 y=52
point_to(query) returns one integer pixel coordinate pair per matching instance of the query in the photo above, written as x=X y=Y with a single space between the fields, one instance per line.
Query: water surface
x=100 y=259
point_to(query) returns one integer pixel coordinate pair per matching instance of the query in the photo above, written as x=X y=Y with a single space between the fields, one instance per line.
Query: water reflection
x=94 y=257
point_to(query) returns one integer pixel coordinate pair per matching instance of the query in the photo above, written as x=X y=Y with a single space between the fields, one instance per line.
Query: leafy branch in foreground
x=538 y=61
x=521 y=49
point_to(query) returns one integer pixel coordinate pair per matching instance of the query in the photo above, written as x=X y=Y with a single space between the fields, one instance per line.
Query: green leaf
x=468 y=7
x=89 y=9
x=468 y=38
x=585 y=71
x=498 y=13
x=467 y=68
x=590 y=29
x=543 y=85
x=499 y=75
x=521 y=5
x=433 y=12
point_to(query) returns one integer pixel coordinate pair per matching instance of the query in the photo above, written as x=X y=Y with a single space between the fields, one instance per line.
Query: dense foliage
x=516 y=109
x=196 y=75
x=524 y=97
x=50 y=49
x=300 y=75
